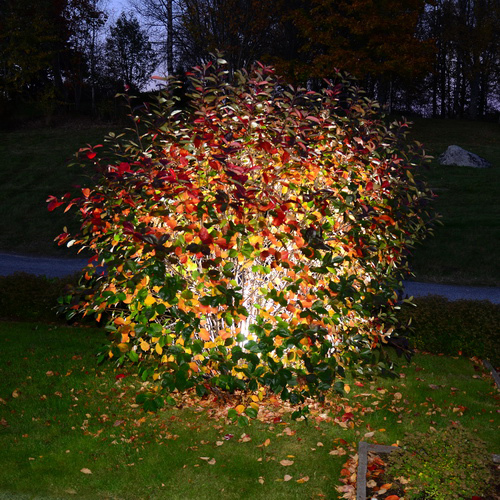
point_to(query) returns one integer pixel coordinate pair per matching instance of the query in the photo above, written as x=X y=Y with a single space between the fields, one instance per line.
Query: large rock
x=455 y=155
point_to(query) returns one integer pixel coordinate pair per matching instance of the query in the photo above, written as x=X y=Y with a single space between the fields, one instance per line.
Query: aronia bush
x=254 y=238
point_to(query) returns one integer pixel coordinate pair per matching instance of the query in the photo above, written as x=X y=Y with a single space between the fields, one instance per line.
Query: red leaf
x=205 y=236
x=53 y=203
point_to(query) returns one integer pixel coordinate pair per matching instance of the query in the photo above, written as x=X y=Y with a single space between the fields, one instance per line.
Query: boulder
x=455 y=155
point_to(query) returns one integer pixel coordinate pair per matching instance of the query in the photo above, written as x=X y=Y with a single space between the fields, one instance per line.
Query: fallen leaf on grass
x=16 y=393
x=212 y=461
x=261 y=480
x=287 y=478
x=338 y=451
x=86 y=471
x=219 y=443
x=371 y=483
x=286 y=463
x=392 y=497
x=303 y=479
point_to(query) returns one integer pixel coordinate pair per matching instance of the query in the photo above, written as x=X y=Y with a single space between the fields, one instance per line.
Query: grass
x=34 y=166
x=60 y=414
x=464 y=249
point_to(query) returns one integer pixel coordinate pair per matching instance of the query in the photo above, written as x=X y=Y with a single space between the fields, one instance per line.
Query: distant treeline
x=438 y=58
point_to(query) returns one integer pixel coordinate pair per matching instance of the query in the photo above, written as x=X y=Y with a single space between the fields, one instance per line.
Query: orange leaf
x=204 y=334
x=392 y=497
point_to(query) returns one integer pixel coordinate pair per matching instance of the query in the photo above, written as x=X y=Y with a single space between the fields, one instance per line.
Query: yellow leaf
x=240 y=409
x=156 y=376
x=194 y=366
x=303 y=479
x=150 y=300
x=254 y=398
x=159 y=349
x=123 y=347
x=347 y=388
x=144 y=345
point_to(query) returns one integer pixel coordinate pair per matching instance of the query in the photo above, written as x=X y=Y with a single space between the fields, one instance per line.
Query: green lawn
x=464 y=250
x=71 y=429
x=34 y=166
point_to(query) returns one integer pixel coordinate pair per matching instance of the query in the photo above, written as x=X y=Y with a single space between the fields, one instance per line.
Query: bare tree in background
x=158 y=16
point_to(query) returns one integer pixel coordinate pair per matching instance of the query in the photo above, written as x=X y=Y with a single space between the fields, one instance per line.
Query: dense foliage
x=254 y=239
x=465 y=327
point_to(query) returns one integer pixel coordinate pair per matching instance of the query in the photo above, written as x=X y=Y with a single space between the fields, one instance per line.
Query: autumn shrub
x=466 y=327
x=254 y=239
x=448 y=464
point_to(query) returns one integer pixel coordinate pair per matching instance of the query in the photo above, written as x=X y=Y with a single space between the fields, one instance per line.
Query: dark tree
x=130 y=59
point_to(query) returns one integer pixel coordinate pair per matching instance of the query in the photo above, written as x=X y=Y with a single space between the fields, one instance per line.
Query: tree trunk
x=170 y=38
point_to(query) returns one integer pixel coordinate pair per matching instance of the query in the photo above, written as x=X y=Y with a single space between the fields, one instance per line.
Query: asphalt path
x=56 y=268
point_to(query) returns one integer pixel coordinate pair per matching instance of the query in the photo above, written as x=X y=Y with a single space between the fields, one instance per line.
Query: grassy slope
x=34 y=166
x=465 y=249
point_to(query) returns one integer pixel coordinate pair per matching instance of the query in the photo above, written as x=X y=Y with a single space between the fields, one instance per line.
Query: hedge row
x=462 y=327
